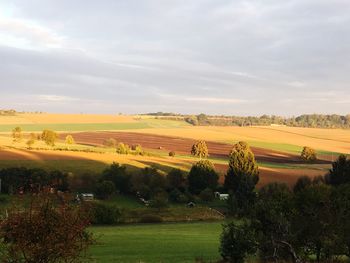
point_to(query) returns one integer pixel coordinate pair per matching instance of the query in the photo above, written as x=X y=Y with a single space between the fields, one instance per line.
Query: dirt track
x=179 y=145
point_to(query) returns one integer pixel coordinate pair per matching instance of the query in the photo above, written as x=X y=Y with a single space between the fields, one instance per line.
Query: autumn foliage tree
x=46 y=231
x=308 y=154
x=17 y=134
x=49 y=137
x=200 y=149
x=70 y=140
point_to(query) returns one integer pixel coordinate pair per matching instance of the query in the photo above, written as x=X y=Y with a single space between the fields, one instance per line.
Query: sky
x=238 y=57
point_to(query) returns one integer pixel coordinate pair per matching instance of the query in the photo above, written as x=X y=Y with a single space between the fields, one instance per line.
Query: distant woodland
x=306 y=120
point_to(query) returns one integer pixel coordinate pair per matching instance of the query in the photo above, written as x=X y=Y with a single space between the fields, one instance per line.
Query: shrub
x=207 y=195
x=103 y=214
x=110 y=143
x=105 y=189
x=123 y=148
x=150 y=218
x=172 y=154
x=159 y=201
x=138 y=149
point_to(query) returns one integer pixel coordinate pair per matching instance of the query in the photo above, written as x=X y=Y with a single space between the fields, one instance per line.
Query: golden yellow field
x=43 y=118
x=332 y=140
x=278 y=148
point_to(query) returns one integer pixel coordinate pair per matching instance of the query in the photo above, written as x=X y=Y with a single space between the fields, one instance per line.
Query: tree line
x=306 y=120
x=310 y=222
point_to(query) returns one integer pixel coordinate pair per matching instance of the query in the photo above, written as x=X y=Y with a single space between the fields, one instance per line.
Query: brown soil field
x=180 y=145
x=52 y=118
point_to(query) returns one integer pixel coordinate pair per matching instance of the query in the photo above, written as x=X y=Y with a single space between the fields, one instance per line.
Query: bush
x=172 y=154
x=102 y=214
x=123 y=148
x=138 y=149
x=207 y=195
x=159 y=201
x=150 y=218
x=110 y=143
x=105 y=189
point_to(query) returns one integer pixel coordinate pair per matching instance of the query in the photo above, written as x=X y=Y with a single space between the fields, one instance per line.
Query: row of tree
x=278 y=224
x=48 y=136
x=306 y=120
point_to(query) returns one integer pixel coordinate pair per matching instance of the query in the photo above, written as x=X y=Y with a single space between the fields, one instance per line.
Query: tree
x=123 y=148
x=200 y=149
x=302 y=183
x=138 y=149
x=242 y=176
x=30 y=143
x=118 y=175
x=237 y=242
x=70 y=140
x=340 y=172
x=308 y=154
x=105 y=189
x=314 y=222
x=273 y=217
x=175 y=179
x=49 y=137
x=60 y=232
x=202 y=175
x=17 y=134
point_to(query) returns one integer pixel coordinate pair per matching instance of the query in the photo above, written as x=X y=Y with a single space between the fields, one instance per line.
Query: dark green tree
x=242 y=176
x=105 y=189
x=118 y=175
x=340 y=172
x=237 y=242
x=273 y=220
x=302 y=183
x=202 y=175
x=175 y=179
x=314 y=222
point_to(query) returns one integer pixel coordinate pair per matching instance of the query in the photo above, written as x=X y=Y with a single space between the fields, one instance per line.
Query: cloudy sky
x=242 y=57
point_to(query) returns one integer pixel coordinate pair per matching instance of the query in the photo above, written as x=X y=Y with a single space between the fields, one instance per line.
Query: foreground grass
x=182 y=242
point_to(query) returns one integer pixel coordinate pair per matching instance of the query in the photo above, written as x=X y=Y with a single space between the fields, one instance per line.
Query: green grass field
x=67 y=127
x=183 y=242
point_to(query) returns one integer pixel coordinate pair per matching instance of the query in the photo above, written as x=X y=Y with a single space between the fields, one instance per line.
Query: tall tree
x=242 y=175
x=200 y=149
x=340 y=172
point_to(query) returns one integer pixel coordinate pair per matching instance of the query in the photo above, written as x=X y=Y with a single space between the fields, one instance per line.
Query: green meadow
x=171 y=243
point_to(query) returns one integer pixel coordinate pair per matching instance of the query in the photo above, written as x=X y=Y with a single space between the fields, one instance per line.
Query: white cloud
x=56 y=98
x=215 y=100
